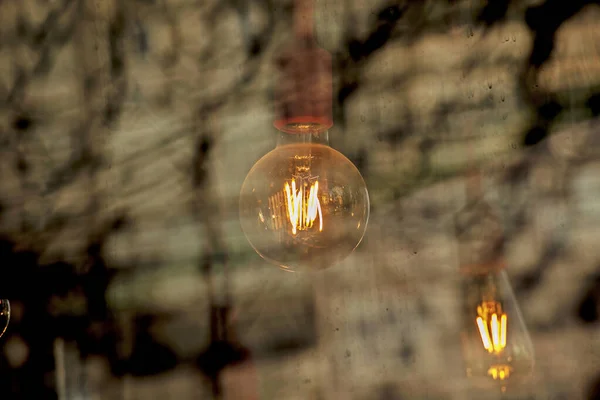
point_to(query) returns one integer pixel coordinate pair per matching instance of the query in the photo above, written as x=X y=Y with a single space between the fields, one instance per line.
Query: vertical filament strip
x=492 y=326
x=303 y=208
x=495 y=332
x=485 y=335
x=503 y=322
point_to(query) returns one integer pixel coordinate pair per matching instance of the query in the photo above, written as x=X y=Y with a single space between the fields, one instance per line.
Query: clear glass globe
x=4 y=315
x=304 y=206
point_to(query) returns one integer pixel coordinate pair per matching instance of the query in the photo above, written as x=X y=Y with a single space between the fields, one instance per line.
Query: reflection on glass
x=4 y=315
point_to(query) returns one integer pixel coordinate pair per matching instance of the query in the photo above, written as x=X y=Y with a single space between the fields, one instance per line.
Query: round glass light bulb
x=4 y=315
x=304 y=205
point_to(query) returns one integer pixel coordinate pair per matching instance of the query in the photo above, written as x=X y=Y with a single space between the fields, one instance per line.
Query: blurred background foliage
x=128 y=126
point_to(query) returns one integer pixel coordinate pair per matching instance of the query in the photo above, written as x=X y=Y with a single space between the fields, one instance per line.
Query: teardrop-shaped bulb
x=4 y=315
x=496 y=344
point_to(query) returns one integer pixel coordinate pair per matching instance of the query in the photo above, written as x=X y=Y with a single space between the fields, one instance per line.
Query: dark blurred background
x=128 y=126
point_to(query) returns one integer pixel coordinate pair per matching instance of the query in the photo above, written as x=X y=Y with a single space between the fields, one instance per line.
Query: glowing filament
x=491 y=322
x=499 y=372
x=303 y=206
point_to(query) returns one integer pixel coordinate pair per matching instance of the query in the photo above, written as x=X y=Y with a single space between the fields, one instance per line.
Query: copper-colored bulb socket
x=303 y=96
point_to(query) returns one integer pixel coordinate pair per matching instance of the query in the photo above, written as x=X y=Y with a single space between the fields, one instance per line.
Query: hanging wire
x=303 y=18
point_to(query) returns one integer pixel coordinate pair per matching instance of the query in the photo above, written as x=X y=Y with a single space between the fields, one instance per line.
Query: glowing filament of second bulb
x=303 y=206
x=492 y=324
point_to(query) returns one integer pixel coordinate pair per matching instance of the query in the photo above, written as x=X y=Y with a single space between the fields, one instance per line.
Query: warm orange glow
x=492 y=331
x=485 y=335
x=303 y=206
x=499 y=372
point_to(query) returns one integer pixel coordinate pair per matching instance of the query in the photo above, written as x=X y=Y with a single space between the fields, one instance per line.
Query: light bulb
x=4 y=315
x=496 y=343
x=304 y=205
